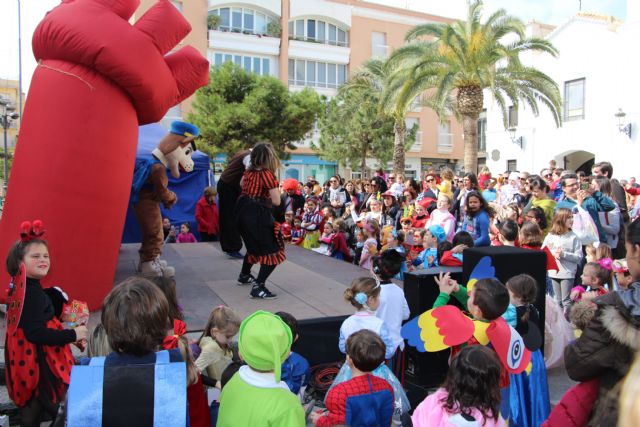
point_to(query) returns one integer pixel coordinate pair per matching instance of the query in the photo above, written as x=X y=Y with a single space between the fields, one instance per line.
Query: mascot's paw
x=168 y=271
x=151 y=269
x=156 y=268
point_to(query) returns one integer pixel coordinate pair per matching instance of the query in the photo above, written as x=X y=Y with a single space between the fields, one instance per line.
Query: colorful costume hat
x=265 y=341
x=438 y=232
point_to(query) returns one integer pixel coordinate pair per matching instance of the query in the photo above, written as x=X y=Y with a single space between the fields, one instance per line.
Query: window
x=322 y=74
x=261 y=23
x=251 y=64
x=244 y=20
x=320 y=31
x=410 y=123
x=299 y=72
x=236 y=19
x=378 y=44
x=574 y=100
x=332 y=75
x=225 y=18
x=512 y=165
x=316 y=74
x=333 y=31
x=311 y=29
x=342 y=74
x=513 y=117
x=342 y=37
x=248 y=21
x=311 y=71
x=292 y=71
x=444 y=137
x=482 y=131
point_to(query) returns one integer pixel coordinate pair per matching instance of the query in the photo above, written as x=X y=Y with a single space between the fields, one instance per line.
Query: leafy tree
x=375 y=76
x=354 y=128
x=238 y=109
x=459 y=60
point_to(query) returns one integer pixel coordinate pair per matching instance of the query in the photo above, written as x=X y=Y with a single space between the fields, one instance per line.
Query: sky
x=547 y=11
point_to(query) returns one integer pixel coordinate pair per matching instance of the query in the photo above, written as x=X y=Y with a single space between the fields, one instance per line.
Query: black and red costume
x=37 y=353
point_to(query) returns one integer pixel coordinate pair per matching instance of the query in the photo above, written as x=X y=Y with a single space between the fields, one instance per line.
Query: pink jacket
x=444 y=220
x=431 y=413
x=186 y=238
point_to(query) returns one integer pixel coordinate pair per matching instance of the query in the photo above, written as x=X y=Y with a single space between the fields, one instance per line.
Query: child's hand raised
x=456 y=286
x=445 y=283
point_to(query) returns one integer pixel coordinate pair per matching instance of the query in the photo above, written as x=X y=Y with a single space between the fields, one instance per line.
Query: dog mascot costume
x=99 y=77
x=150 y=188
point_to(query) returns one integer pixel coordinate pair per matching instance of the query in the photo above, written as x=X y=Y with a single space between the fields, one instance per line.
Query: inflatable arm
x=98 y=78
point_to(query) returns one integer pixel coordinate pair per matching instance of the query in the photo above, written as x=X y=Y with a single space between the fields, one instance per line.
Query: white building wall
x=340 y=13
x=600 y=53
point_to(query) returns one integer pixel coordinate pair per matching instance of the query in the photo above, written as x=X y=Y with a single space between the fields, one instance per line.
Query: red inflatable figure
x=98 y=78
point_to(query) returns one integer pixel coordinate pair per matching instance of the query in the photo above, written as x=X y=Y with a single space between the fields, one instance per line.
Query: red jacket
x=575 y=406
x=339 y=244
x=207 y=216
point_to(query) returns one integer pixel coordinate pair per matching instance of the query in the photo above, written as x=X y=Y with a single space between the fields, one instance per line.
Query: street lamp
x=512 y=134
x=620 y=115
x=8 y=115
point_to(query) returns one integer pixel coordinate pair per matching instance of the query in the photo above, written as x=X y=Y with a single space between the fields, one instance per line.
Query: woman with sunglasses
x=335 y=195
x=377 y=187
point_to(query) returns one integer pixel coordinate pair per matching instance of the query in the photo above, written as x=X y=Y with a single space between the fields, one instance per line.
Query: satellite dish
x=495 y=155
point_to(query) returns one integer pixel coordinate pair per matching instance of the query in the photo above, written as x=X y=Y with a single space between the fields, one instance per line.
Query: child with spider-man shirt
x=364 y=400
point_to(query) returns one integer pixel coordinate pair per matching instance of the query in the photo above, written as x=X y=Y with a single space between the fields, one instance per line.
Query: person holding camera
x=587 y=197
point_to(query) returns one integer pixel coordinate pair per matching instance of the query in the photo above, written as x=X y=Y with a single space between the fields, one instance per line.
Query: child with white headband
x=364 y=295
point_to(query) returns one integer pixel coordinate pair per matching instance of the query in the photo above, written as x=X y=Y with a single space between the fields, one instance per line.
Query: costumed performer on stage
x=151 y=187
x=254 y=219
x=228 y=193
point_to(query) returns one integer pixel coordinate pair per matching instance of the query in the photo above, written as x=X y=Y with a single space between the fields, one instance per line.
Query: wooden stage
x=308 y=284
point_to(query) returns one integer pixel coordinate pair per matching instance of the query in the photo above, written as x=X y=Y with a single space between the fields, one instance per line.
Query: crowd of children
x=387 y=232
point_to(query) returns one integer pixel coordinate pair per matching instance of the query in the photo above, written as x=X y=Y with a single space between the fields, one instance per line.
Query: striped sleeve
x=269 y=180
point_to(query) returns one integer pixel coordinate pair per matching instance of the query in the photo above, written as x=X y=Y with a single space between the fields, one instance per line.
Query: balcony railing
x=316 y=40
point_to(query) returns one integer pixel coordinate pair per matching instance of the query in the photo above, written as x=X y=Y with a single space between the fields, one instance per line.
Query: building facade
x=317 y=44
x=596 y=73
x=9 y=91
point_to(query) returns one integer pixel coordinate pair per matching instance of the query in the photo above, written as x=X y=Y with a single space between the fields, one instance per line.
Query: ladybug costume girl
x=37 y=353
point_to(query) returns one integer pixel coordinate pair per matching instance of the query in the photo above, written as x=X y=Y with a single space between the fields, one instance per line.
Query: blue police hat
x=184 y=129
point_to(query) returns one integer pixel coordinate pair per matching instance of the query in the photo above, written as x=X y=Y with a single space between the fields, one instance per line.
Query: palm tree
x=457 y=61
x=375 y=77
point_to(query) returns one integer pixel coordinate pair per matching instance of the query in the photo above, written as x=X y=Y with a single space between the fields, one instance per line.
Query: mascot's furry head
x=176 y=148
